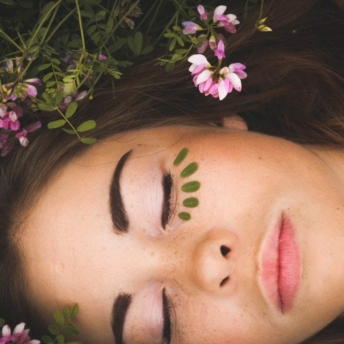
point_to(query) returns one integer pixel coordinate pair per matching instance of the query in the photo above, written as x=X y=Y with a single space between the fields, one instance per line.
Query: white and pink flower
x=202 y=13
x=190 y=28
x=227 y=21
x=19 y=335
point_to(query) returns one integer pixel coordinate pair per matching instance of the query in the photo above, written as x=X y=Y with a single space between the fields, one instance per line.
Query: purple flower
x=102 y=57
x=21 y=90
x=220 y=50
x=202 y=12
x=227 y=21
x=9 y=120
x=190 y=28
x=19 y=336
x=22 y=136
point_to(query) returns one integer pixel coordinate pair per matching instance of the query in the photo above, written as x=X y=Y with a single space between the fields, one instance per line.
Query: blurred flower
x=135 y=12
x=19 y=336
x=202 y=12
x=21 y=90
x=190 y=27
x=262 y=27
x=70 y=97
x=227 y=21
x=220 y=50
x=21 y=136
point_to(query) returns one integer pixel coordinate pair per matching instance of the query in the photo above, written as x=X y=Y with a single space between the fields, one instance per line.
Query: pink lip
x=281 y=265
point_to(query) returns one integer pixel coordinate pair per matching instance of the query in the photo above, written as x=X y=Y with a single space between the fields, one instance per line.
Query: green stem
x=41 y=23
x=9 y=39
x=154 y=16
x=69 y=123
x=80 y=25
x=59 y=25
x=261 y=9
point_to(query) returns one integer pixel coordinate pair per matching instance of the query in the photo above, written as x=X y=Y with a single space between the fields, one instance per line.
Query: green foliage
x=2 y=322
x=64 y=326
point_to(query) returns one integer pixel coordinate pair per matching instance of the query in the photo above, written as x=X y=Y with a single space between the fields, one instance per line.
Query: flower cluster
x=10 y=127
x=216 y=81
x=19 y=335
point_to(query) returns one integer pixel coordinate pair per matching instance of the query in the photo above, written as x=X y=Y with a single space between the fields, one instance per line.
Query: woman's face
x=259 y=261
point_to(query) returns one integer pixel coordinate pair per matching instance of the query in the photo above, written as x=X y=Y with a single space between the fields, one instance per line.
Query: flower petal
x=235 y=80
x=204 y=76
x=198 y=59
x=19 y=328
x=218 y=12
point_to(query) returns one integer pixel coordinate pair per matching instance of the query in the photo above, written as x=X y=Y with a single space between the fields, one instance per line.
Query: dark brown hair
x=295 y=90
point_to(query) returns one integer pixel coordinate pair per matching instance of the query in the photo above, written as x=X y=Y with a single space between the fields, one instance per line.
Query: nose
x=214 y=262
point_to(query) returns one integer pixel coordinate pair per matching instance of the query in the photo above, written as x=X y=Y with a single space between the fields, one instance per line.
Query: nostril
x=224 y=250
x=223 y=282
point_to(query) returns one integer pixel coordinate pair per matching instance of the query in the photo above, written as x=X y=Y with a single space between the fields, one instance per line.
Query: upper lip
x=280 y=265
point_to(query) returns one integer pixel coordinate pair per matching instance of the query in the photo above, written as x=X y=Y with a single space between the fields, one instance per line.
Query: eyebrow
x=118 y=212
x=119 y=312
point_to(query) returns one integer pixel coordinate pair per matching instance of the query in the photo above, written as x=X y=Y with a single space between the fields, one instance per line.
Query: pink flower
x=227 y=21
x=202 y=12
x=220 y=50
x=19 y=336
x=190 y=28
x=230 y=77
x=21 y=136
x=21 y=90
x=10 y=119
x=102 y=57
x=200 y=68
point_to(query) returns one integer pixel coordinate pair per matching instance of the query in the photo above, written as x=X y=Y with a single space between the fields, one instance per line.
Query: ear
x=234 y=122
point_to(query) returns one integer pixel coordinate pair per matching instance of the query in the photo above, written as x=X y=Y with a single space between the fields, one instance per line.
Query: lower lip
x=281 y=265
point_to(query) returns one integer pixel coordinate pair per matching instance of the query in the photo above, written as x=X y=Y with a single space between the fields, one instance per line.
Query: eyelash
x=167 y=184
x=167 y=310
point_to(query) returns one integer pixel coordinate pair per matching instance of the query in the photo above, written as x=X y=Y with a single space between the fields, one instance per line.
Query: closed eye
x=167 y=183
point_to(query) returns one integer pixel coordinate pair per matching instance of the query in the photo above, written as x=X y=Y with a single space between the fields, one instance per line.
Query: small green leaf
x=44 y=66
x=53 y=329
x=176 y=28
x=88 y=125
x=2 y=322
x=180 y=41
x=65 y=309
x=47 y=77
x=184 y=216
x=181 y=156
x=189 y=170
x=88 y=140
x=69 y=131
x=47 y=8
x=74 y=311
x=191 y=202
x=71 y=329
x=56 y=124
x=7 y=2
x=71 y=109
x=138 y=42
x=191 y=186
x=46 y=107
x=59 y=317
x=47 y=340
x=169 y=35
x=147 y=50
x=172 y=44
x=60 y=339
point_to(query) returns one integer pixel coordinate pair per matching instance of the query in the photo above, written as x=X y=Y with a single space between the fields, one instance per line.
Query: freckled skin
x=247 y=180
